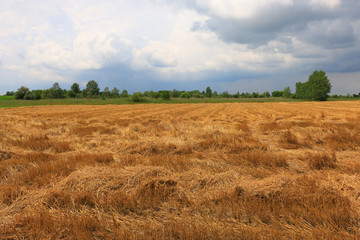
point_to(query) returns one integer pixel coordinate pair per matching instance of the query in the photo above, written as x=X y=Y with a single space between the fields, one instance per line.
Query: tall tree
x=208 y=92
x=92 y=88
x=316 y=88
x=75 y=88
x=286 y=92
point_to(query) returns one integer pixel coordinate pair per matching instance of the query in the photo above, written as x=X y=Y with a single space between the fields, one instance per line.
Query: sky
x=138 y=45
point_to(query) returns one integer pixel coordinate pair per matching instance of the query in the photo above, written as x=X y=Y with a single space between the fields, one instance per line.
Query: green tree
x=55 y=91
x=165 y=95
x=124 y=94
x=92 y=88
x=255 y=95
x=208 y=92
x=316 y=88
x=185 y=95
x=175 y=93
x=277 y=94
x=266 y=94
x=106 y=92
x=138 y=97
x=115 y=92
x=20 y=93
x=29 y=95
x=75 y=88
x=286 y=92
x=225 y=94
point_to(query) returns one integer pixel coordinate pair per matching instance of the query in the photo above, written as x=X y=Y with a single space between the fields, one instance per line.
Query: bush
x=136 y=97
x=277 y=93
x=175 y=93
x=29 y=96
x=21 y=92
x=165 y=95
x=155 y=95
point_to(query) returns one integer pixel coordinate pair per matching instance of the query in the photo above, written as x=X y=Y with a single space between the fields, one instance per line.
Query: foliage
x=115 y=92
x=21 y=92
x=75 y=88
x=185 y=95
x=124 y=94
x=106 y=92
x=175 y=93
x=255 y=95
x=195 y=94
x=165 y=95
x=208 y=92
x=54 y=92
x=316 y=88
x=266 y=94
x=286 y=92
x=137 y=98
x=277 y=93
x=37 y=94
x=155 y=95
x=226 y=94
x=92 y=88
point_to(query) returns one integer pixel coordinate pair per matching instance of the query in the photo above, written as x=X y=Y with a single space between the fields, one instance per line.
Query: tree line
x=316 y=88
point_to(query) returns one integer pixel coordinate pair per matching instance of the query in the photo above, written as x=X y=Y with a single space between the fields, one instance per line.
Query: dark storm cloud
x=322 y=27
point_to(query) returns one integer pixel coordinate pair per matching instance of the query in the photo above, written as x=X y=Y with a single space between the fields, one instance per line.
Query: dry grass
x=199 y=171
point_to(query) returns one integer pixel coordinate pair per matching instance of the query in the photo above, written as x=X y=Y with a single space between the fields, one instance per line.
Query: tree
x=92 y=88
x=20 y=93
x=286 y=92
x=277 y=93
x=124 y=94
x=225 y=94
x=175 y=93
x=115 y=92
x=208 y=92
x=316 y=88
x=185 y=95
x=165 y=95
x=75 y=88
x=106 y=92
x=266 y=94
x=55 y=91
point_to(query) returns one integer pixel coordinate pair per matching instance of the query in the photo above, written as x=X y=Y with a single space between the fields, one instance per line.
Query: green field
x=9 y=101
x=6 y=102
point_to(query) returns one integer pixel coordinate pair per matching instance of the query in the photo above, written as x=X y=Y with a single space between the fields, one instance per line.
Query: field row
x=181 y=171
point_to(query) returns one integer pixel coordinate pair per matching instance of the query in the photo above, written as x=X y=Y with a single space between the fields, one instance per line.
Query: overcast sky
x=233 y=45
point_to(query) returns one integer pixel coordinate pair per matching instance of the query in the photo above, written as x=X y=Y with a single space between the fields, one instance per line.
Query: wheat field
x=181 y=171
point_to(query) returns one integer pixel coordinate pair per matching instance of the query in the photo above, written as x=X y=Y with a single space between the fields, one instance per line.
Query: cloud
x=176 y=42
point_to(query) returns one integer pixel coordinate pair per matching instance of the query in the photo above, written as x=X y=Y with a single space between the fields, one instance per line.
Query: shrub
x=277 y=93
x=185 y=95
x=20 y=93
x=165 y=95
x=136 y=97
x=286 y=93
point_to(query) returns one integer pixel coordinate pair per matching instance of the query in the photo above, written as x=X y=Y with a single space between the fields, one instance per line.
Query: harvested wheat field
x=191 y=171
